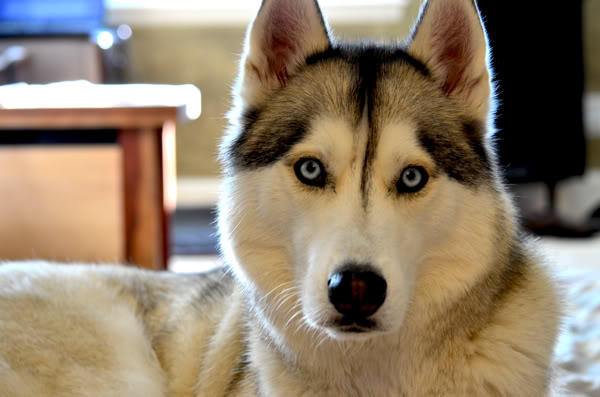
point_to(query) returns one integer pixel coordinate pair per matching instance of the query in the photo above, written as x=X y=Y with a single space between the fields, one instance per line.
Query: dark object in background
x=58 y=137
x=194 y=232
x=595 y=217
x=10 y=59
x=537 y=51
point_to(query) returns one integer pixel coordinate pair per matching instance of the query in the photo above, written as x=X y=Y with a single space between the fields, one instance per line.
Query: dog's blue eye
x=412 y=180
x=310 y=172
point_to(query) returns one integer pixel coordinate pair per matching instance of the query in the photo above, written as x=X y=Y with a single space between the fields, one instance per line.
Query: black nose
x=357 y=291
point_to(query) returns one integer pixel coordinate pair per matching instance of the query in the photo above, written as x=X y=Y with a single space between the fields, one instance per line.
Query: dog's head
x=353 y=171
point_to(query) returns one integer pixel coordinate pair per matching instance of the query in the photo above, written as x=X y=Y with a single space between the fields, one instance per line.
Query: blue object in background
x=50 y=17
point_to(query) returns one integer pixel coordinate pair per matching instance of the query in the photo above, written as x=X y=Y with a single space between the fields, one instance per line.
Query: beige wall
x=208 y=57
x=592 y=43
x=592 y=66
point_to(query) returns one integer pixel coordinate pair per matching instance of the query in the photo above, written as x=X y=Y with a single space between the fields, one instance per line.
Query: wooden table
x=145 y=117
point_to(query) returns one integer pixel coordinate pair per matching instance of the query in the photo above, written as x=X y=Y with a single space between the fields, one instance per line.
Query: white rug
x=578 y=351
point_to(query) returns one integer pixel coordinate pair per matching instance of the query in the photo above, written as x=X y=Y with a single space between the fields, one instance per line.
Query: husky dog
x=373 y=249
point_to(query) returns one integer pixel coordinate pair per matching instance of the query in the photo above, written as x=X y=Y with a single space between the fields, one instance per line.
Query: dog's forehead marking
x=399 y=147
x=455 y=141
x=270 y=130
x=379 y=84
x=366 y=63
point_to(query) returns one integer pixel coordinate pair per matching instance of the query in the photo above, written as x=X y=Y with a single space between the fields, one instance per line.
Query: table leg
x=146 y=217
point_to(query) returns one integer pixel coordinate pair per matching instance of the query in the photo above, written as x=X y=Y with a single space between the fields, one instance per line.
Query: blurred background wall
x=592 y=43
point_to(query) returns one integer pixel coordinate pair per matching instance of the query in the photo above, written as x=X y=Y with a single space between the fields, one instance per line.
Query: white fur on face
x=284 y=236
x=285 y=240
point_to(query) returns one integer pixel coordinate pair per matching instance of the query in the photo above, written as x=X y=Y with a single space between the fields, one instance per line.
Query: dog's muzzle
x=356 y=292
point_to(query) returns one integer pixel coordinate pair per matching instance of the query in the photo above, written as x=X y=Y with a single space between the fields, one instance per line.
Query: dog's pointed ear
x=281 y=37
x=450 y=38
